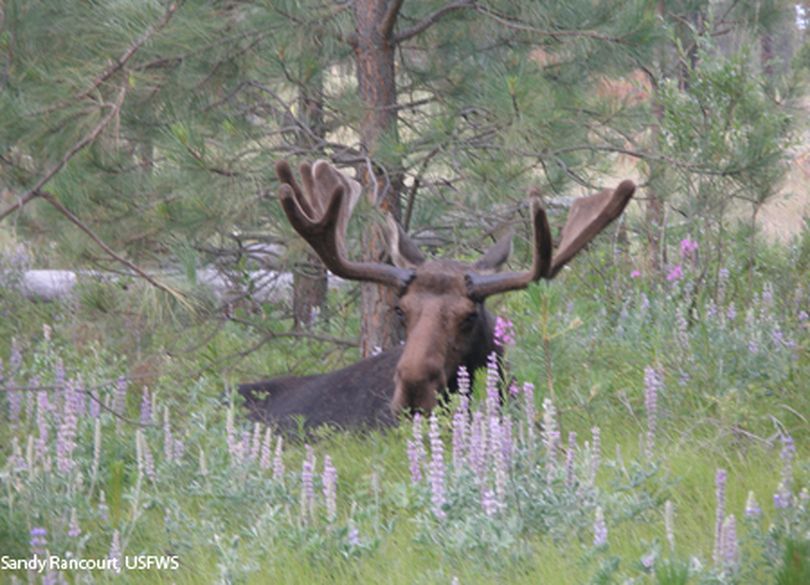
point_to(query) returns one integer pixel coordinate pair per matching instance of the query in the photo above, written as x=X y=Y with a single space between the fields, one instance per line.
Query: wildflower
x=787 y=454
x=688 y=248
x=550 y=437
x=120 y=398
x=14 y=396
x=115 y=550
x=459 y=439
x=752 y=509
x=720 y=498
x=463 y=379
x=635 y=274
x=353 y=536
x=731 y=312
x=95 y=404
x=256 y=442
x=416 y=449
x=569 y=459
x=803 y=316
x=596 y=452
x=675 y=273
x=436 y=468
x=146 y=464
x=307 y=487
x=477 y=450
x=781 y=497
x=38 y=540
x=168 y=441
x=74 y=530
x=653 y=384
x=103 y=509
x=493 y=399
x=489 y=502
x=498 y=458
x=504 y=333
x=146 y=408
x=669 y=524
x=278 y=461
x=648 y=561
x=730 y=549
x=600 y=531
x=266 y=449
x=329 y=479
x=66 y=433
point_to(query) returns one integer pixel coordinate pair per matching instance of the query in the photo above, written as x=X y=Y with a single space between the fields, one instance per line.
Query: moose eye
x=470 y=320
x=400 y=313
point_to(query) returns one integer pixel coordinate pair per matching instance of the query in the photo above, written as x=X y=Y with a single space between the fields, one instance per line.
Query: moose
x=440 y=304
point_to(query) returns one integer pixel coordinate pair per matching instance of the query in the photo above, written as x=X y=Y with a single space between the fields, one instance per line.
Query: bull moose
x=441 y=304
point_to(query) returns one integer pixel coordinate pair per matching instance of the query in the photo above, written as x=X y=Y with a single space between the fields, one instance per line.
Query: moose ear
x=404 y=252
x=494 y=258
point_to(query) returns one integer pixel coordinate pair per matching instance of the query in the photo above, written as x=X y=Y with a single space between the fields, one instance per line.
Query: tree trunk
x=309 y=275
x=374 y=51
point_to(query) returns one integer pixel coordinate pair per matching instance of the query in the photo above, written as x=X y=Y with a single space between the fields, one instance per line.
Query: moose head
x=440 y=301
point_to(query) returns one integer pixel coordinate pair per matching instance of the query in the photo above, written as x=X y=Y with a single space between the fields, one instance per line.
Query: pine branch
x=118 y=63
x=86 y=140
x=432 y=19
x=390 y=18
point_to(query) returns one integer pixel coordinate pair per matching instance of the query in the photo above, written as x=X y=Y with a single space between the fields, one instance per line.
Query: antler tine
x=484 y=285
x=320 y=216
x=587 y=218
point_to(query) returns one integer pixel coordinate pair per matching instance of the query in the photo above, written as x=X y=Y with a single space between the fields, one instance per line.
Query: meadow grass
x=733 y=369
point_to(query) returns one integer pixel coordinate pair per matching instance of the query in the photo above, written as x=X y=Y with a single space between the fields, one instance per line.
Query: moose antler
x=588 y=216
x=320 y=214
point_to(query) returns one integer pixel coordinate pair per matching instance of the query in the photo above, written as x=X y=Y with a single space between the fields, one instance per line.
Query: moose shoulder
x=441 y=304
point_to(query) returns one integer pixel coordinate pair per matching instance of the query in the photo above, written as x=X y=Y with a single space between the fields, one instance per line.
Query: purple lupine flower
x=504 y=333
x=528 y=409
x=146 y=408
x=569 y=459
x=688 y=249
x=39 y=540
x=256 y=442
x=498 y=460
x=234 y=446
x=653 y=383
x=752 y=509
x=753 y=346
x=329 y=479
x=145 y=460
x=436 y=468
x=783 y=498
x=353 y=536
x=477 y=452
x=95 y=404
x=493 y=399
x=731 y=312
x=459 y=439
x=600 y=531
x=179 y=449
x=489 y=503
x=120 y=399
x=596 y=453
x=278 y=461
x=730 y=553
x=463 y=379
x=42 y=424
x=416 y=450
x=115 y=554
x=307 y=486
x=648 y=561
x=80 y=402
x=711 y=310
x=675 y=273
x=265 y=460
x=682 y=329
x=803 y=316
x=669 y=523
x=550 y=436
x=168 y=440
x=103 y=509
x=16 y=461
x=74 y=530
x=720 y=497
x=507 y=444
x=66 y=433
